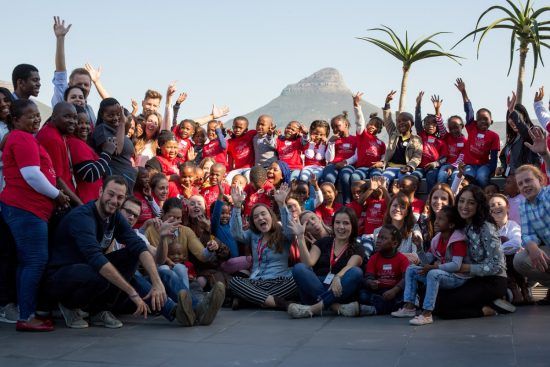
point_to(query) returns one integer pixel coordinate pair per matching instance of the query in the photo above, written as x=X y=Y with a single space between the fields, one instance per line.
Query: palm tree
x=408 y=53
x=526 y=29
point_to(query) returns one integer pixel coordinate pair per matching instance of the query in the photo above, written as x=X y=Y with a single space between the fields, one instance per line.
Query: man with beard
x=82 y=275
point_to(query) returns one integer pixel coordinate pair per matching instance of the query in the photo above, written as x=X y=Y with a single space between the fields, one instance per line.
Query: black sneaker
x=503 y=306
x=207 y=310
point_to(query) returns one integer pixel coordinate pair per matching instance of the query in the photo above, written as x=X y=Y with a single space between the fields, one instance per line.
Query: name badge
x=386 y=267
x=287 y=143
x=481 y=136
x=406 y=144
x=346 y=146
x=431 y=140
x=460 y=145
x=328 y=278
x=377 y=206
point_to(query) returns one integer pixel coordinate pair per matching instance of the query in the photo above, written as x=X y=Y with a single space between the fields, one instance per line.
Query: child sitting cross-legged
x=448 y=249
x=382 y=289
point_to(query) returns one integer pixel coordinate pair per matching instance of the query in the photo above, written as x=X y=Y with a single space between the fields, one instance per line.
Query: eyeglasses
x=130 y=213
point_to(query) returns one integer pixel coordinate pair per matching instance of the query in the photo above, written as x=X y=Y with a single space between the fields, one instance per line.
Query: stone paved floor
x=270 y=338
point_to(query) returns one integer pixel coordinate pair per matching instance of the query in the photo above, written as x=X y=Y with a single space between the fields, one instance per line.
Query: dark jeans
x=374 y=298
x=8 y=265
x=312 y=289
x=31 y=240
x=81 y=286
x=468 y=300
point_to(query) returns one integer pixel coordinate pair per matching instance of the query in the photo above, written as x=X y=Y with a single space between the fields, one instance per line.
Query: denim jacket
x=484 y=251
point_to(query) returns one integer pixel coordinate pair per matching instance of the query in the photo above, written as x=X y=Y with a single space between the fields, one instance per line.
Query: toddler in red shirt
x=210 y=193
x=370 y=203
x=185 y=187
x=184 y=132
x=259 y=190
x=216 y=146
x=455 y=141
x=326 y=210
x=384 y=281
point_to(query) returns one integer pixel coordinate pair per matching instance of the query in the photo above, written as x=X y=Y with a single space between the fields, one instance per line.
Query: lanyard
x=260 y=250
x=333 y=260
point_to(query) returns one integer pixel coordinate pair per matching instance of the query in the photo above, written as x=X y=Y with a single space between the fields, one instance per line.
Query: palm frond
x=489 y=27
x=512 y=50
x=434 y=53
x=385 y=46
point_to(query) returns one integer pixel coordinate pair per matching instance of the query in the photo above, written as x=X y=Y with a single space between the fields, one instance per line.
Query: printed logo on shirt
x=460 y=145
x=431 y=140
x=481 y=136
x=387 y=267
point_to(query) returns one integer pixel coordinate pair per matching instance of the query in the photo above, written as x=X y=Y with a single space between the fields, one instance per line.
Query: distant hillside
x=45 y=110
x=320 y=96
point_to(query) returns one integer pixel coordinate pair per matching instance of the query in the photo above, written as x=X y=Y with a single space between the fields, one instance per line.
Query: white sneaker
x=404 y=312
x=297 y=311
x=349 y=309
x=9 y=313
x=107 y=319
x=421 y=320
x=73 y=319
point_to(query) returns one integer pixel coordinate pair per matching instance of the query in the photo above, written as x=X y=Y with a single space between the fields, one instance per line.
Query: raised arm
x=359 y=118
x=60 y=75
x=418 y=113
x=236 y=222
x=182 y=97
x=388 y=120
x=217 y=113
x=96 y=75
x=167 y=119
x=461 y=86
x=518 y=121
x=540 y=110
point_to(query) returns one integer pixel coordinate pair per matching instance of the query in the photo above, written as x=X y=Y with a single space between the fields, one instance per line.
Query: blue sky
x=243 y=53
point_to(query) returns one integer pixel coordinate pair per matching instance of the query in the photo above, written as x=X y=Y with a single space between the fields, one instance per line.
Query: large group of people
x=129 y=211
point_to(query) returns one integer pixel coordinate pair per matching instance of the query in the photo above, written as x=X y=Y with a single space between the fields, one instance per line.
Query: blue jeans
x=143 y=287
x=181 y=272
x=434 y=280
x=481 y=173
x=363 y=173
x=392 y=173
x=307 y=171
x=174 y=285
x=31 y=240
x=431 y=176
x=442 y=175
x=312 y=289
x=340 y=178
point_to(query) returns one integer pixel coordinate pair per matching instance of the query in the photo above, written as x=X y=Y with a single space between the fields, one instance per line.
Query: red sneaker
x=37 y=325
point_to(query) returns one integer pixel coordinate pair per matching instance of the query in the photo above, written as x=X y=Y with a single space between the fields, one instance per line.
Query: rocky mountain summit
x=320 y=96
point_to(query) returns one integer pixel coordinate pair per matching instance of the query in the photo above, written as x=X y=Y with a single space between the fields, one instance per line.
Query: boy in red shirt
x=184 y=132
x=408 y=185
x=211 y=193
x=240 y=150
x=259 y=190
x=291 y=145
x=185 y=187
x=372 y=201
x=482 y=146
x=384 y=280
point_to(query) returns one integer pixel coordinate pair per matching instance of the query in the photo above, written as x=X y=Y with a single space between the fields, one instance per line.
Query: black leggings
x=468 y=300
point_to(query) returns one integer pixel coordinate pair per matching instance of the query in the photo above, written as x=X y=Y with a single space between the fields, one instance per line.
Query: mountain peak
x=327 y=80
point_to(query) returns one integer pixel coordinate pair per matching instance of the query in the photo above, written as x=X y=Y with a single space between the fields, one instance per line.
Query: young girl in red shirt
x=315 y=150
x=240 y=150
x=216 y=147
x=291 y=145
x=341 y=155
x=326 y=210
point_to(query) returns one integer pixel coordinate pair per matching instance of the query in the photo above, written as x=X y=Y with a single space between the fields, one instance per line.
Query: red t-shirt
x=183 y=148
x=82 y=152
x=169 y=167
x=455 y=147
x=314 y=157
x=211 y=193
x=388 y=271
x=146 y=210
x=418 y=206
x=253 y=196
x=240 y=151
x=479 y=145
x=458 y=248
x=290 y=152
x=375 y=210
x=370 y=149
x=344 y=148
x=23 y=150
x=175 y=189
x=326 y=213
x=433 y=148
x=54 y=143
x=213 y=149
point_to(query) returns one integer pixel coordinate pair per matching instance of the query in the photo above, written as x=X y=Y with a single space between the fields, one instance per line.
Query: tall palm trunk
x=403 y=89
x=523 y=49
